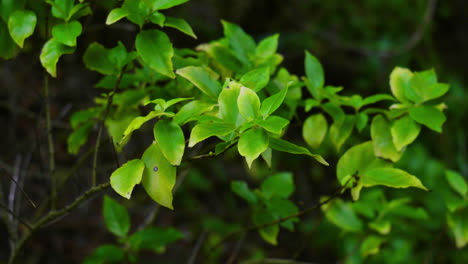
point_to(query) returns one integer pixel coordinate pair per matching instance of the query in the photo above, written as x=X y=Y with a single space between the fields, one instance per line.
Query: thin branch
x=237 y=248
x=21 y=220
x=56 y=214
x=336 y=194
x=22 y=190
x=197 y=247
x=110 y=98
x=50 y=143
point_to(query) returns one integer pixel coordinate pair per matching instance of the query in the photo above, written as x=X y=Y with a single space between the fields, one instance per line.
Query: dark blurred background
x=358 y=43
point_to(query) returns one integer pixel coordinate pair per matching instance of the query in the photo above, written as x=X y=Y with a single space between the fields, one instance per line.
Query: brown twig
x=336 y=194
x=55 y=214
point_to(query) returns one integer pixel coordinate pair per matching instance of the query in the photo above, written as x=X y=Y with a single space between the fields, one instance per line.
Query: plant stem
x=110 y=98
x=53 y=215
x=50 y=143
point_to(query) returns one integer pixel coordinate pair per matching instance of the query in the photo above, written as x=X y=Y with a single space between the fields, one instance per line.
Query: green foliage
x=117 y=222
x=233 y=93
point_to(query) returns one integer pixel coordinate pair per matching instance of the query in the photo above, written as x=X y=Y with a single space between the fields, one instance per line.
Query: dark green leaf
x=278 y=185
x=202 y=79
x=429 y=116
x=242 y=44
x=242 y=189
x=342 y=215
x=180 y=24
x=115 y=15
x=21 y=25
x=274 y=124
x=270 y=104
x=116 y=217
x=51 y=53
x=267 y=47
x=268 y=233
x=67 y=33
x=171 y=140
x=160 y=61
x=340 y=131
x=285 y=146
x=457 y=182
x=208 y=129
x=153 y=238
x=256 y=79
x=106 y=254
x=165 y=4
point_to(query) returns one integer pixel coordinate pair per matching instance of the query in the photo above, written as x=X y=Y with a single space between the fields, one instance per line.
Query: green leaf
x=158 y=19
x=242 y=189
x=252 y=143
x=124 y=179
x=457 y=182
x=371 y=245
x=227 y=101
x=171 y=140
x=137 y=123
x=390 y=177
x=61 y=8
x=208 y=129
x=191 y=110
x=376 y=98
x=242 y=44
x=159 y=176
x=116 y=217
x=10 y=6
x=21 y=25
x=268 y=233
x=424 y=86
x=356 y=160
x=67 y=33
x=160 y=61
x=165 y=4
x=137 y=11
x=202 y=79
x=281 y=208
x=274 y=124
x=340 y=131
x=342 y=215
x=256 y=79
x=8 y=48
x=314 y=74
x=181 y=25
x=270 y=104
x=107 y=61
x=361 y=121
x=400 y=82
x=459 y=226
x=106 y=254
x=429 y=116
x=382 y=139
x=267 y=47
x=51 y=53
x=248 y=103
x=278 y=185
x=153 y=238
x=314 y=130
x=79 y=137
x=404 y=131
x=285 y=146
x=115 y=15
